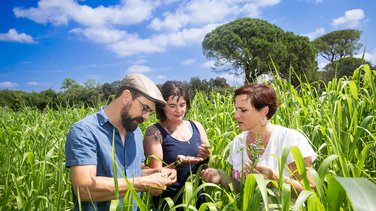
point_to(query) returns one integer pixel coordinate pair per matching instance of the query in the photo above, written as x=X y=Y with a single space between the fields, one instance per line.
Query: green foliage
x=342 y=67
x=90 y=94
x=16 y=100
x=109 y=90
x=217 y=84
x=248 y=46
x=33 y=174
x=68 y=83
x=339 y=121
x=361 y=192
x=338 y=44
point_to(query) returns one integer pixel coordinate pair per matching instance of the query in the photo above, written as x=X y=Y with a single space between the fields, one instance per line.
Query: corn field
x=339 y=119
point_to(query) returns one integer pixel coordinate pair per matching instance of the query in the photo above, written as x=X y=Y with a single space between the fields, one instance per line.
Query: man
x=89 y=148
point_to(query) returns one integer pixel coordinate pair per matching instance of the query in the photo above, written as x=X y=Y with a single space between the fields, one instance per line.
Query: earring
x=263 y=122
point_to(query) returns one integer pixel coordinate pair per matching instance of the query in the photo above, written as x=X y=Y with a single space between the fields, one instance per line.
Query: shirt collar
x=102 y=117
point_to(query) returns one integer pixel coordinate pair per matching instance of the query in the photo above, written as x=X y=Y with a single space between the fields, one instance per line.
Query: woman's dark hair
x=260 y=95
x=172 y=88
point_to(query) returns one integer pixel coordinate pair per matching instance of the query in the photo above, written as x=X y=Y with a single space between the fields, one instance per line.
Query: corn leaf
x=360 y=191
x=335 y=194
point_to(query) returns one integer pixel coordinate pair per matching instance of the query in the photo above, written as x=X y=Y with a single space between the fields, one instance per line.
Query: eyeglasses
x=145 y=108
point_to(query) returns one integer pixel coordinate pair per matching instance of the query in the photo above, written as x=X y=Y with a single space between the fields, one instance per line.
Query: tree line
x=90 y=93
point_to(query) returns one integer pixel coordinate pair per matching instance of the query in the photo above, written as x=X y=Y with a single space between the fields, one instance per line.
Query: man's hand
x=171 y=173
x=156 y=183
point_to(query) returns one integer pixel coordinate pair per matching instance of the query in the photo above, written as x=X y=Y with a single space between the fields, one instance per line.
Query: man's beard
x=129 y=123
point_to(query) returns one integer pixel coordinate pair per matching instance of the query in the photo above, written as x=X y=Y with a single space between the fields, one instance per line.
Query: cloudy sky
x=43 y=42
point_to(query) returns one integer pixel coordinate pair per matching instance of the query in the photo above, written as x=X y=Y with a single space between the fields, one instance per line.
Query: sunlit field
x=339 y=119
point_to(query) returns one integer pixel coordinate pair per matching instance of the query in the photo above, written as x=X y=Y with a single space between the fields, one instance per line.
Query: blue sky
x=43 y=42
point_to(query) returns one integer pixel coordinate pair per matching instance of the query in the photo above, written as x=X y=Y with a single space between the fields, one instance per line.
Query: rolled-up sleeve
x=80 y=147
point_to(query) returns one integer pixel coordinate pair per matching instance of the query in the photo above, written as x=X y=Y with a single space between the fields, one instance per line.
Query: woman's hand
x=259 y=169
x=203 y=151
x=211 y=175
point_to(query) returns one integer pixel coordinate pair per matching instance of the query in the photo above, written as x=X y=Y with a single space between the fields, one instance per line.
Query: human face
x=176 y=108
x=246 y=115
x=129 y=121
x=145 y=108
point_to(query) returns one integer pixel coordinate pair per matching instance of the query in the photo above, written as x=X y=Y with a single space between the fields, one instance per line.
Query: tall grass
x=338 y=118
x=33 y=173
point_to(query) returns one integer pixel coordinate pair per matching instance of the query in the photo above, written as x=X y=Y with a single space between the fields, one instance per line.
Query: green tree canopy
x=218 y=84
x=338 y=44
x=247 y=46
x=91 y=84
x=68 y=83
x=343 y=67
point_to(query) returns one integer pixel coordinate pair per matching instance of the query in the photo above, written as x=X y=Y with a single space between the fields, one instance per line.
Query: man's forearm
x=147 y=171
x=103 y=188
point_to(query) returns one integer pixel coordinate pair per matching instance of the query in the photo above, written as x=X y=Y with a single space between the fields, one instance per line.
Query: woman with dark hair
x=174 y=141
x=261 y=140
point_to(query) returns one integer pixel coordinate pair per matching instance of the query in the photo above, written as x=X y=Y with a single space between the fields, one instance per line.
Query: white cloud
x=209 y=11
x=125 y=44
x=13 y=36
x=139 y=69
x=171 y=23
x=120 y=42
x=133 y=45
x=194 y=13
x=202 y=12
x=33 y=83
x=61 y=12
x=182 y=23
x=188 y=62
x=317 y=33
x=254 y=9
x=101 y=34
x=352 y=18
x=7 y=84
x=184 y=37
